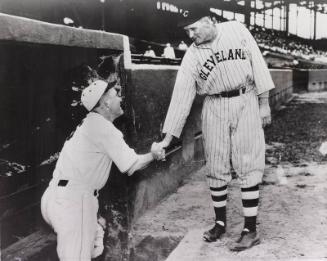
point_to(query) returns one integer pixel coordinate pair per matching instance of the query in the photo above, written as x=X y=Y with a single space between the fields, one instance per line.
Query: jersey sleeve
x=261 y=74
x=115 y=146
x=182 y=97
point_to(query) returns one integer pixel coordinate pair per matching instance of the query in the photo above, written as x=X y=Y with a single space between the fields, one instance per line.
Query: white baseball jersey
x=231 y=61
x=84 y=161
x=231 y=127
x=87 y=156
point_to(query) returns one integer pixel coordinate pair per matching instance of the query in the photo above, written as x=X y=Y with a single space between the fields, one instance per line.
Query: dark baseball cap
x=192 y=14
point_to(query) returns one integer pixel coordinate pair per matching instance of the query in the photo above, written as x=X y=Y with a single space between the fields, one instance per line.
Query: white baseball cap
x=92 y=94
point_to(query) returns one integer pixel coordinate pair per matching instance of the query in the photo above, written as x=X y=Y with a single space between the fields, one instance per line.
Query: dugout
x=43 y=69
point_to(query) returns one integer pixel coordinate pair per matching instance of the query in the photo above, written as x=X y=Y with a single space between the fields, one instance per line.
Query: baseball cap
x=192 y=14
x=92 y=94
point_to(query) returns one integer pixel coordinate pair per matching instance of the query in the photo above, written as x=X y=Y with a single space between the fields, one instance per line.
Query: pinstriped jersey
x=232 y=60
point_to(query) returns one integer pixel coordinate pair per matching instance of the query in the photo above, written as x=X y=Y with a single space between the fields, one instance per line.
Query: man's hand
x=265 y=114
x=163 y=144
x=166 y=141
x=264 y=108
x=158 y=151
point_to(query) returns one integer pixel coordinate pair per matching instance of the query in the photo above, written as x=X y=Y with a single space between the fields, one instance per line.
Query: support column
x=314 y=22
x=247 y=13
x=280 y=16
x=272 y=15
x=287 y=17
x=264 y=14
x=255 y=14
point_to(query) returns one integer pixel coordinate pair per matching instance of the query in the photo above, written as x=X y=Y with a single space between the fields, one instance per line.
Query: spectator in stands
x=182 y=46
x=70 y=203
x=149 y=52
x=169 y=52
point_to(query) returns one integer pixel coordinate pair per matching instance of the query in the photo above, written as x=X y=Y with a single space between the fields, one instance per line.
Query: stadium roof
x=239 y=5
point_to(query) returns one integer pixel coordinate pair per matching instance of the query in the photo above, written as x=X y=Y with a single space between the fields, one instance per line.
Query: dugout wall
x=43 y=69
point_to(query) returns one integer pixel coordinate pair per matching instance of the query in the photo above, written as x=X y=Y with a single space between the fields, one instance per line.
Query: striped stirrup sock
x=219 y=198
x=250 y=201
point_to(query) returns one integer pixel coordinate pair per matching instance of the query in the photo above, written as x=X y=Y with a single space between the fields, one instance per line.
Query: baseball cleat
x=214 y=233
x=247 y=240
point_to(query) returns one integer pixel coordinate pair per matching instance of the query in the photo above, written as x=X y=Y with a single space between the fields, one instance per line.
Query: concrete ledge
x=192 y=247
x=40 y=245
x=155 y=247
x=22 y=29
x=283 y=80
x=317 y=80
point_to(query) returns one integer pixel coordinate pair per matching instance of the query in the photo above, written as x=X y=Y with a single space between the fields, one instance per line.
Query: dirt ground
x=292 y=218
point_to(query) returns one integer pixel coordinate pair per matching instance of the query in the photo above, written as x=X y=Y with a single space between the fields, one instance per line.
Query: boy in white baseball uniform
x=224 y=63
x=70 y=203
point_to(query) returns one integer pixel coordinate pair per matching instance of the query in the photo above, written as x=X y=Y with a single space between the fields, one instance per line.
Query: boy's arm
x=142 y=161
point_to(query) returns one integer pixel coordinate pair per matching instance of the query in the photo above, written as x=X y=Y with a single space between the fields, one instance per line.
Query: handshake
x=158 y=151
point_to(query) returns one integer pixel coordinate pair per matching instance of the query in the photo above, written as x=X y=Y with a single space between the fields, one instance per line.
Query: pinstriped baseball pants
x=233 y=133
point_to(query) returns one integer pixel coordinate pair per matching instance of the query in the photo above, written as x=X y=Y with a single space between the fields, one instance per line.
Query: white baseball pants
x=73 y=215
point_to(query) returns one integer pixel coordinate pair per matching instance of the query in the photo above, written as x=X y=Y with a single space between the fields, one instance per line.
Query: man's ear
x=106 y=104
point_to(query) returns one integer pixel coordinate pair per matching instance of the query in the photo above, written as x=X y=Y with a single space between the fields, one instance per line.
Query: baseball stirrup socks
x=250 y=201
x=219 y=197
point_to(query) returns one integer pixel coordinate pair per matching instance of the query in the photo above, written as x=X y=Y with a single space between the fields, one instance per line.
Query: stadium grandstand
x=277 y=25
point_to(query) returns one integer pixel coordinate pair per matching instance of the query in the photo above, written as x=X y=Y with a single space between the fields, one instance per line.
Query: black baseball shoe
x=213 y=234
x=247 y=240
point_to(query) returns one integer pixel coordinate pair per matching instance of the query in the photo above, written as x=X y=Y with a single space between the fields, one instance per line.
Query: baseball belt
x=230 y=94
x=64 y=183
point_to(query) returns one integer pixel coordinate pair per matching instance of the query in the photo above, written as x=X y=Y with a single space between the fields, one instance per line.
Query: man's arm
x=166 y=141
x=182 y=97
x=262 y=77
x=261 y=73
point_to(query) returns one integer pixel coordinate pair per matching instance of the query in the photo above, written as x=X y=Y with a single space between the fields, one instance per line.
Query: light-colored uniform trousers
x=72 y=213
x=232 y=132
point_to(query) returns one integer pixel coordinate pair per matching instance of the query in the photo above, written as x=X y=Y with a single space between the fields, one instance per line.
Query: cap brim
x=186 y=22
x=191 y=20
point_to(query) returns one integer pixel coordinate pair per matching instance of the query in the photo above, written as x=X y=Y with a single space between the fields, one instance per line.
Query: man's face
x=202 y=31
x=112 y=99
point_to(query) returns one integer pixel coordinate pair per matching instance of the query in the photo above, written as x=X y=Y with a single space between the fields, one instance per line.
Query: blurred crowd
x=276 y=41
x=293 y=51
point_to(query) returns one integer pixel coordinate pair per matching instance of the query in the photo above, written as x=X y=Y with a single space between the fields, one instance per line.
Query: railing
x=140 y=58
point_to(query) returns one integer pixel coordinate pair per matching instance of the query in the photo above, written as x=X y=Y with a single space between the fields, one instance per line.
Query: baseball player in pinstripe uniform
x=225 y=65
x=70 y=203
